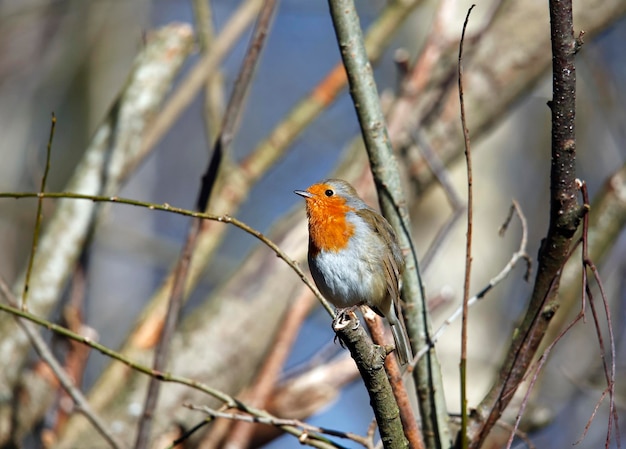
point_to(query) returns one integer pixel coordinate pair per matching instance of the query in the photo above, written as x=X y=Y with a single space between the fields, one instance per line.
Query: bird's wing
x=393 y=264
x=393 y=261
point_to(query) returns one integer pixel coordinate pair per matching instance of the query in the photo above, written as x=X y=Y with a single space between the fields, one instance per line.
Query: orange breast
x=328 y=228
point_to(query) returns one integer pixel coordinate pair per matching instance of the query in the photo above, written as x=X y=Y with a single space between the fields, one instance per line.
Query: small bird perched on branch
x=354 y=255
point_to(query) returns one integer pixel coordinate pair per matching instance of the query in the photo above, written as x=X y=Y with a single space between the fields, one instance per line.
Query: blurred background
x=73 y=58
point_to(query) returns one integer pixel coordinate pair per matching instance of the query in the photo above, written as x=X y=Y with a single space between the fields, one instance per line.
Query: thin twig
x=197 y=77
x=308 y=430
x=468 y=250
x=65 y=380
x=565 y=217
x=535 y=376
x=222 y=144
x=165 y=207
x=213 y=89
x=438 y=169
x=264 y=385
x=609 y=372
x=39 y=216
x=506 y=270
x=591 y=418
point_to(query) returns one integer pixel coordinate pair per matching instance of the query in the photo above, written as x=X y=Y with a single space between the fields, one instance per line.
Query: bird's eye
x=329 y=193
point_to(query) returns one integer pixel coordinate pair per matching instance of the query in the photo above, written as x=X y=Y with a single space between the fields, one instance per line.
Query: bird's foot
x=343 y=317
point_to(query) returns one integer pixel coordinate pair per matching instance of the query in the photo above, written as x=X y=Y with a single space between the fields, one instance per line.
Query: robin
x=354 y=255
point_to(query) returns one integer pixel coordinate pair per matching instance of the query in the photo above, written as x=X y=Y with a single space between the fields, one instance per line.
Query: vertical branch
x=213 y=90
x=609 y=373
x=222 y=144
x=236 y=101
x=39 y=216
x=565 y=215
x=468 y=252
x=385 y=171
x=197 y=76
x=395 y=375
x=563 y=190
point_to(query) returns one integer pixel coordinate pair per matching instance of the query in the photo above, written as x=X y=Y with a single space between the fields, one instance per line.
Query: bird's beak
x=303 y=193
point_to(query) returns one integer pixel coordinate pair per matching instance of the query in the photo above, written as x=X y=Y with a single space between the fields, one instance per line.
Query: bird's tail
x=400 y=338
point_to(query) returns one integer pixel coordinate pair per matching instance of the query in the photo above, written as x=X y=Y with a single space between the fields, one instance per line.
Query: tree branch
x=393 y=205
x=370 y=360
x=565 y=216
x=113 y=147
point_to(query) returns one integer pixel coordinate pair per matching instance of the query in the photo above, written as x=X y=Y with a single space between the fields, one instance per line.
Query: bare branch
x=307 y=435
x=393 y=205
x=468 y=247
x=565 y=216
x=370 y=362
x=520 y=254
x=113 y=147
x=213 y=89
x=64 y=379
x=39 y=215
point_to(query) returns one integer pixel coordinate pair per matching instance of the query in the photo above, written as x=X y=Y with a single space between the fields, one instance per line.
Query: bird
x=354 y=255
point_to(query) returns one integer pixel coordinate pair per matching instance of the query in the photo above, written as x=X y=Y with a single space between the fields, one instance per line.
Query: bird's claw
x=343 y=317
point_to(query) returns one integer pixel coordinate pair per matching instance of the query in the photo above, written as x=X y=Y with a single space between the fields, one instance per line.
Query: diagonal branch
x=222 y=144
x=370 y=360
x=115 y=142
x=64 y=378
x=228 y=400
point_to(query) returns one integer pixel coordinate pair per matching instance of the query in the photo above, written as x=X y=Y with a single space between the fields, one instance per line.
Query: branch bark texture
x=370 y=360
x=393 y=205
x=565 y=215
